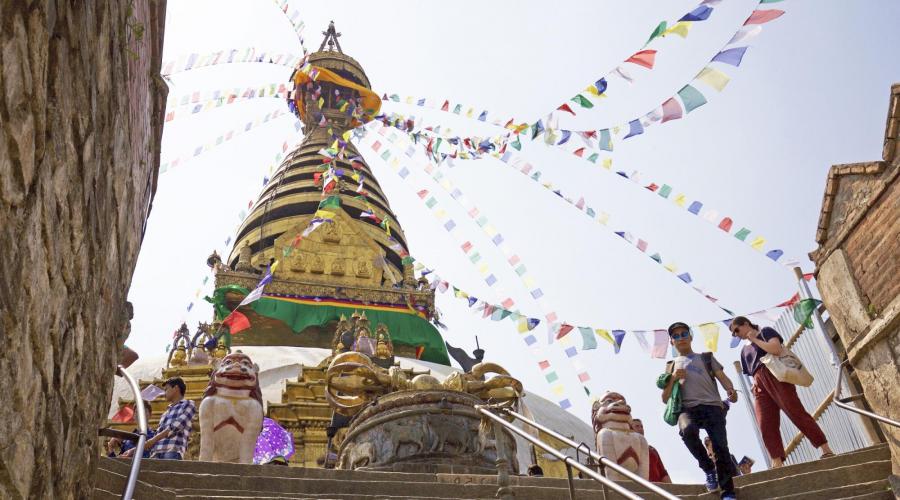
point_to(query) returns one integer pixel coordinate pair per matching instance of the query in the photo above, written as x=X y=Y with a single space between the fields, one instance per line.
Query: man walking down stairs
x=861 y=475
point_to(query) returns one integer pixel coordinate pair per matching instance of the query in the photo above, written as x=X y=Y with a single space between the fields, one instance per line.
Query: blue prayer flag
x=731 y=56
x=635 y=129
x=701 y=13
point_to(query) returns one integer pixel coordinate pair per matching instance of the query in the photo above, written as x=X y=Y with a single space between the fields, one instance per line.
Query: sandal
x=826 y=455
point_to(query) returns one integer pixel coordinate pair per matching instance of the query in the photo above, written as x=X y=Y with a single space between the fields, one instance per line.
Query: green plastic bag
x=673 y=406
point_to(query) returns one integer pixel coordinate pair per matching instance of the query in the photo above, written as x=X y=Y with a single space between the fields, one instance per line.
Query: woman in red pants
x=773 y=397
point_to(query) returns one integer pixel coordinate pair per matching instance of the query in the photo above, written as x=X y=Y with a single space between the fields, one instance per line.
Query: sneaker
x=712 y=482
x=729 y=496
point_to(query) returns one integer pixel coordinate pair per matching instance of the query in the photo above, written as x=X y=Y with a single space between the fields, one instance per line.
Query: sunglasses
x=682 y=335
x=734 y=331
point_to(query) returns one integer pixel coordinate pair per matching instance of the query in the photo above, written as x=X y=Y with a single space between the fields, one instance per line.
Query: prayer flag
x=803 y=311
x=151 y=392
x=565 y=404
x=446 y=106
x=701 y=13
x=710 y=333
x=236 y=322
x=604 y=334
x=483 y=116
x=671 y=110
x=624 y=74
x=742 y=234
x=532 y=323
x=457 y=109
x=695 y=207
x=713 y=77
x=660 y=341
x=536 y=129
x=763 y=16
x=725 y=225
x=563 y=330
x=681 y=29
x=665 y=190
x=582 y=101
x=656 y=32
x=330 y=203
x=691 y=97
x=565 y=107
x=774 y=254
x=643 y=58
x=642 y=340
x=566 y=134
x=686 y=277
x=745 y=34
x=587 y=336
x=635 y=128
x=605 y=143
x=731 y=56
x=619 y=336
x=600 y=86
x=758 y=243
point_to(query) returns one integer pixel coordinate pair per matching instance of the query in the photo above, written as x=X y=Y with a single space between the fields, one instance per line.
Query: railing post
x=806 y=293
x=751 y=411
x=142 y=433
x=571 y=483
x=504 y=491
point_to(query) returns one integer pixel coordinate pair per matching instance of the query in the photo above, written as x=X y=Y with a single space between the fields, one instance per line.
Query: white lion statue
x=611 y=417
x=231 y=413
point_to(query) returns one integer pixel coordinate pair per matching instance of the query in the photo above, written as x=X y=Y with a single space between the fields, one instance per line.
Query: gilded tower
x=357 y=261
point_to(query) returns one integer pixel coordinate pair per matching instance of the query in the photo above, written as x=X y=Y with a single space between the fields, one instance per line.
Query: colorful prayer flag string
x=187 y=62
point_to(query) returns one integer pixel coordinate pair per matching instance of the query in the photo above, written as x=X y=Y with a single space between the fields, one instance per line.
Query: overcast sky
x=812 y=91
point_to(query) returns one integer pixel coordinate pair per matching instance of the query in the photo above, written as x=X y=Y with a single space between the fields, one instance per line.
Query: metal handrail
x=567 y=460
x=142 y=434
x=842 y=402
x=606 y=462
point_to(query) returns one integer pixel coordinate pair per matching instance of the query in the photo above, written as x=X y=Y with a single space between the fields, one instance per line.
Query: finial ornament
x=331 y=39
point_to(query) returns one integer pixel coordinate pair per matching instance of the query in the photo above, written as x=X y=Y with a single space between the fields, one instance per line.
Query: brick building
x=857 y=266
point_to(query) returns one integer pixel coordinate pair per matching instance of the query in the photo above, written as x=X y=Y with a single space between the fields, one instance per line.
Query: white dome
x=277 y=364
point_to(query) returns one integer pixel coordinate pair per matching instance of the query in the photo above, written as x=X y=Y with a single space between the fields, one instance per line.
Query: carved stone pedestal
x=423 y=431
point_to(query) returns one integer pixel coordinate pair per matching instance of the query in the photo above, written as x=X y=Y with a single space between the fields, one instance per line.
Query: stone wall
x=81 y=108
x=857 y=271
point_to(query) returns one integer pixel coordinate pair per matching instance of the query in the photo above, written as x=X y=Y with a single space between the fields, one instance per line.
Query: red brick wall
x=873 y=250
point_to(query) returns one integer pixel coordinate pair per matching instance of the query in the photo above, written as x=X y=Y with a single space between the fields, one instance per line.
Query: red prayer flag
x=563 y=330
x=236 y=322
x=446 y=106
x=544 y=364
x=652 y=187
x=170 y=116
x=791 y=301
x=466 y=246
x=725 y=225
x=125 y=414
x=565 y=107
x=420 y=349
x=644 y=58
x=423 y=193
x=763 y=16
x=579 y=152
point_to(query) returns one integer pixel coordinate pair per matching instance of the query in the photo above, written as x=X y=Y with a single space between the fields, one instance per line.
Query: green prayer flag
x=457 y=109
x=431 y=202
x=409 y=260
x=665 y=190
x=742 y=234
x=657 y=32
x=803 y=311
x=593 y=157
x=551 y=377
x=691 y=97
x=517 y=144
x=583 y=101
x=386 y=154
x=330 y=203
x=587 y=335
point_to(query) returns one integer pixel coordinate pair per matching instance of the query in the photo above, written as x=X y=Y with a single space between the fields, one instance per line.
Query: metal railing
x=142 y=434
x=568 y=461
x=842 y=402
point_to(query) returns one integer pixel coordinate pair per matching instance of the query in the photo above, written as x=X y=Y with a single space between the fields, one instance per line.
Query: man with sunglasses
x=701 y=407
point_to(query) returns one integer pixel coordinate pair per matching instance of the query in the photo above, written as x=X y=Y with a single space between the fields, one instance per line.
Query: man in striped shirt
x=176 y=424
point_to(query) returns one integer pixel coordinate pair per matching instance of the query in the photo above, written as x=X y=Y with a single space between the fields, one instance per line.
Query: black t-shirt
x=752 y=354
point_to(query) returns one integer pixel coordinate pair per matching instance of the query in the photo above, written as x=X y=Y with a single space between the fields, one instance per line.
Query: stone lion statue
x=231 y=413
x=611 y=417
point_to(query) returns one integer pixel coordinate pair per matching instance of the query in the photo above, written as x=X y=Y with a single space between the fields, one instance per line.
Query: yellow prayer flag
x=440 y=213
x=559 y=390
x=523 y=325
x=409 y=99
x=670 y=267
x=274 y=266
x=680 y=28
x=603 y=218
x=604 y=334
x=483 y=269
x=714 y=78
x=347 y=135
x=680 y=200
x=590 y=89
x=490 y=230
x=607 y=163
x=758 y=243
x=710 y=332
x=529 y=281
x=321 y=102
x=395 y=162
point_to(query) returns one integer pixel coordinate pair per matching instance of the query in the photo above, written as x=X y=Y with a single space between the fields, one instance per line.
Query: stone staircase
x=859 y=475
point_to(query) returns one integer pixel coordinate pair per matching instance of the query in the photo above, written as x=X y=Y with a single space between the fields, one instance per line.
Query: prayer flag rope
x=224 y=138
x=296 y=23
x=187 y=62
x=474 y=255
x=174 y=111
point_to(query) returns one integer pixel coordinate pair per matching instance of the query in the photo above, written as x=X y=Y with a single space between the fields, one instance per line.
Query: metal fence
x=845 y=431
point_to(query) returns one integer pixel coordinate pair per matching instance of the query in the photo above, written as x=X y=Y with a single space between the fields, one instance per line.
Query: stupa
x=346 y=288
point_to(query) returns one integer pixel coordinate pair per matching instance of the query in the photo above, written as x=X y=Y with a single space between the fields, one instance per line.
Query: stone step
x=848 y=491
x=817 y=480
x=872 y=453
x=114 y=483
